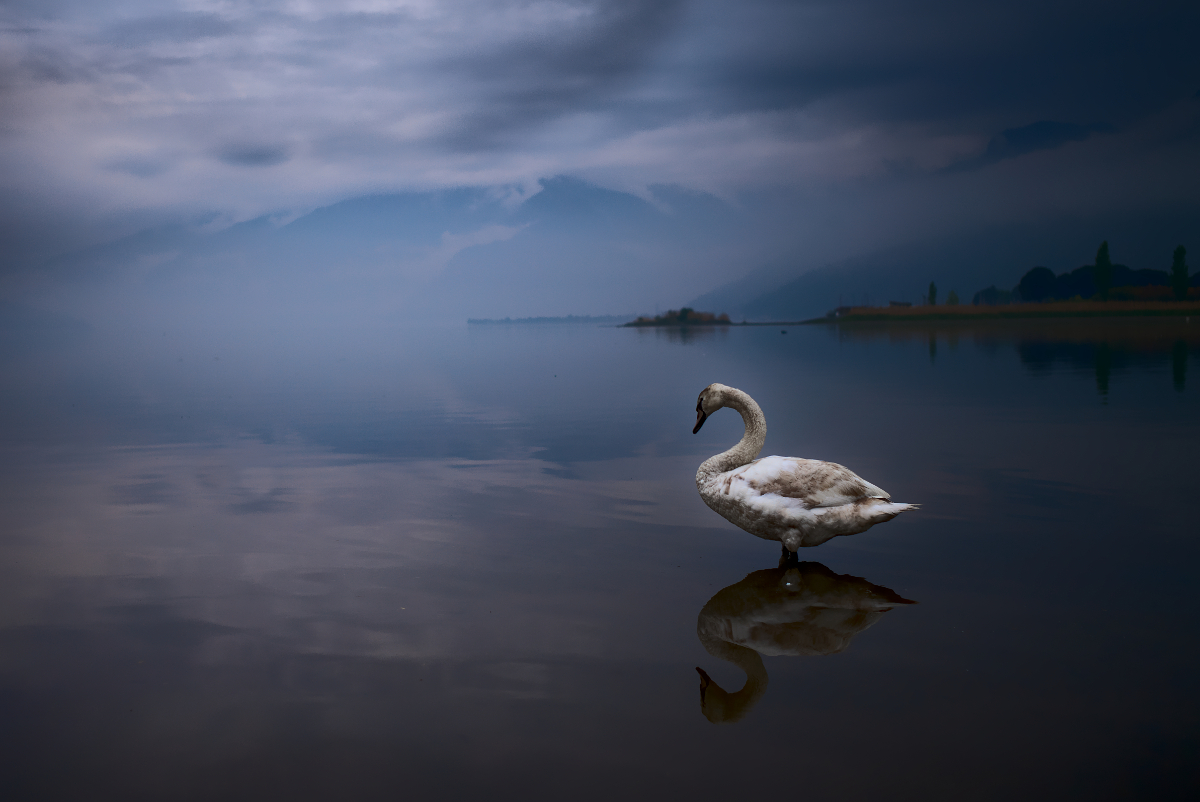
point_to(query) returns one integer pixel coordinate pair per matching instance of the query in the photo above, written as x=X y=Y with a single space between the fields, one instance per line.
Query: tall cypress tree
x=1179 y=274
x=1102 y=272
x=932 y=294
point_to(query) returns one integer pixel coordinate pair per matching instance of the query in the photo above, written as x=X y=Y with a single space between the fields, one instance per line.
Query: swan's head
x=711 y=399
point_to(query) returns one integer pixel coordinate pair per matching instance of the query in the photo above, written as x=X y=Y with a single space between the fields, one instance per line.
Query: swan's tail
x=887 y=510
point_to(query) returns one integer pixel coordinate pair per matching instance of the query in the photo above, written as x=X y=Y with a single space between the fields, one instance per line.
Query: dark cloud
x=1041 y=135
x=151 y=490
x=247 y=155
x=47 y=67
x=141 y=168
x=168 y=28
x=522 y=83
x=946 y=60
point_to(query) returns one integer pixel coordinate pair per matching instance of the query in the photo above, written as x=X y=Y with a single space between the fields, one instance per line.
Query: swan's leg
x=787 y=558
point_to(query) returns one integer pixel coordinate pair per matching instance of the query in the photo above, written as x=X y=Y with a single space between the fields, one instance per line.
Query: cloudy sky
x=837 y=127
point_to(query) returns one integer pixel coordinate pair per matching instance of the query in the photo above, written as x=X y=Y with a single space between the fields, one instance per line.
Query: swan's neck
x=720 y=706
x=750 y=444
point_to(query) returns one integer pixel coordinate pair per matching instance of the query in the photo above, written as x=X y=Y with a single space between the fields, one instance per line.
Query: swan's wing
x=811 y=482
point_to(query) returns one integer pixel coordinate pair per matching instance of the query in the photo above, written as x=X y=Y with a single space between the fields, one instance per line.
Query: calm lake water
x=471 y=561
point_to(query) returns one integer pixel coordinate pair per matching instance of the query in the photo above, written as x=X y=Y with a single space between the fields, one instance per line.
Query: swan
x=798 y=609
x=799 y=502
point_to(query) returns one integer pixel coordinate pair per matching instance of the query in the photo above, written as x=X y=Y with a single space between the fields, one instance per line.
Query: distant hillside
x=898 y=274
x=736 y=296
x=965 y=264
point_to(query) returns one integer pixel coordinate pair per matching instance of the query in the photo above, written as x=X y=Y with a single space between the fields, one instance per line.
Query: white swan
x=799 y=502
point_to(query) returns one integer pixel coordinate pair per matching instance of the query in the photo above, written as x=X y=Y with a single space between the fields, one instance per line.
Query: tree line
x=1102 y=280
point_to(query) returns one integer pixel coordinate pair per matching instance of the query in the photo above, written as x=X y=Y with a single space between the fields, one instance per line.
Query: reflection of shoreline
x=1138 y=333
x=1107 y=347
x=798 y=609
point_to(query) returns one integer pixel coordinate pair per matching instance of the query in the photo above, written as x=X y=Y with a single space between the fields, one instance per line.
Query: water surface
x=427 y=563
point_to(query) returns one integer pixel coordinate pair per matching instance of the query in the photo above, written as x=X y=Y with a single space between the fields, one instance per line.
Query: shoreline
x=884 y=314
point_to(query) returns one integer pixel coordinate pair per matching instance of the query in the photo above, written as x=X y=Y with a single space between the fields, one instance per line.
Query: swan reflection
x=800 y=608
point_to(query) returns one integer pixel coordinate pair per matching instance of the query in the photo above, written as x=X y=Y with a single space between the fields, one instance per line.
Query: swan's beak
x=705 y=681
x=700 y=418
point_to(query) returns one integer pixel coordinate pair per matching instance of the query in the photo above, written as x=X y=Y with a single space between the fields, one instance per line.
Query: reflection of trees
x=1101 y=347
x=1179 y=355
x=1039 y=356
x=800 y=608
x=1105 y=358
